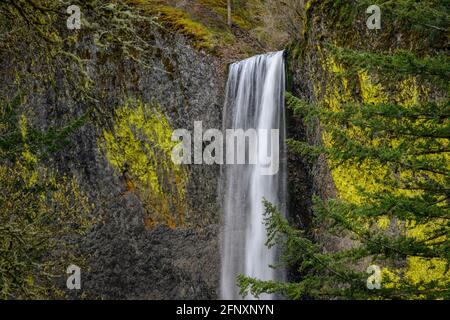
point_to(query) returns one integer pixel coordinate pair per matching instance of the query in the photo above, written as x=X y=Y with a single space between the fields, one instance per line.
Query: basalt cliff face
x=125 y=257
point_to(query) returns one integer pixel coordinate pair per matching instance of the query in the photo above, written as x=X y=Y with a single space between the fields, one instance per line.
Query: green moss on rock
x=139 y=147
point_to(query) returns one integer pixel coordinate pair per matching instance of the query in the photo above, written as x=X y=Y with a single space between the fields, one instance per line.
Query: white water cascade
x=254 y=100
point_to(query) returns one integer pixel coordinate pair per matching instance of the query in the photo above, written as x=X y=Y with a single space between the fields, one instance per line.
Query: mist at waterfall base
x=254 y=100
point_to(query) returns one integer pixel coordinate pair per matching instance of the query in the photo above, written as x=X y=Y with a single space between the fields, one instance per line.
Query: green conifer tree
x=398 y=218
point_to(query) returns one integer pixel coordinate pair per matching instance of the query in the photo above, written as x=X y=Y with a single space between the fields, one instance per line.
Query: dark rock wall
x=124 y=258
x=127 y=260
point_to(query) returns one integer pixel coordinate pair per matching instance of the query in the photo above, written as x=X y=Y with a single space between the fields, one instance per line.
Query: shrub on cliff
x=41 y=212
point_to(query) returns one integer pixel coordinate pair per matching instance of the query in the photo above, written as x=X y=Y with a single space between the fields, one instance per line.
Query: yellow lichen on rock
x=351 y=177
x=139 y=147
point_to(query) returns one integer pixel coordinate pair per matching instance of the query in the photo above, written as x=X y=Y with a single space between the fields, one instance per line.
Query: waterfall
x=254 y=100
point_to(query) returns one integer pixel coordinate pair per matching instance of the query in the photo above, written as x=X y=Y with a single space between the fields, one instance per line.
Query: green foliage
x=310 y=262
x=38 y=27
x=326 y=275
x=411 y=145
x=41 y=212
x=13 y=141
x=429 y=18
x=384 y=121
x=398 y=65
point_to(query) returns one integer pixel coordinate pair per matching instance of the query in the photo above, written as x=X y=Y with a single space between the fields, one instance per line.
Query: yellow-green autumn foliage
x=42 y=213
x=139 y=147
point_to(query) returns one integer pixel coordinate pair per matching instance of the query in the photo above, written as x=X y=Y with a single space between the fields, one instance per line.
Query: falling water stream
x=254 y=100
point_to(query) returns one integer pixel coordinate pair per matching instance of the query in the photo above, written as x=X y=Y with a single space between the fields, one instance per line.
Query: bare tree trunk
x=229 y=12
